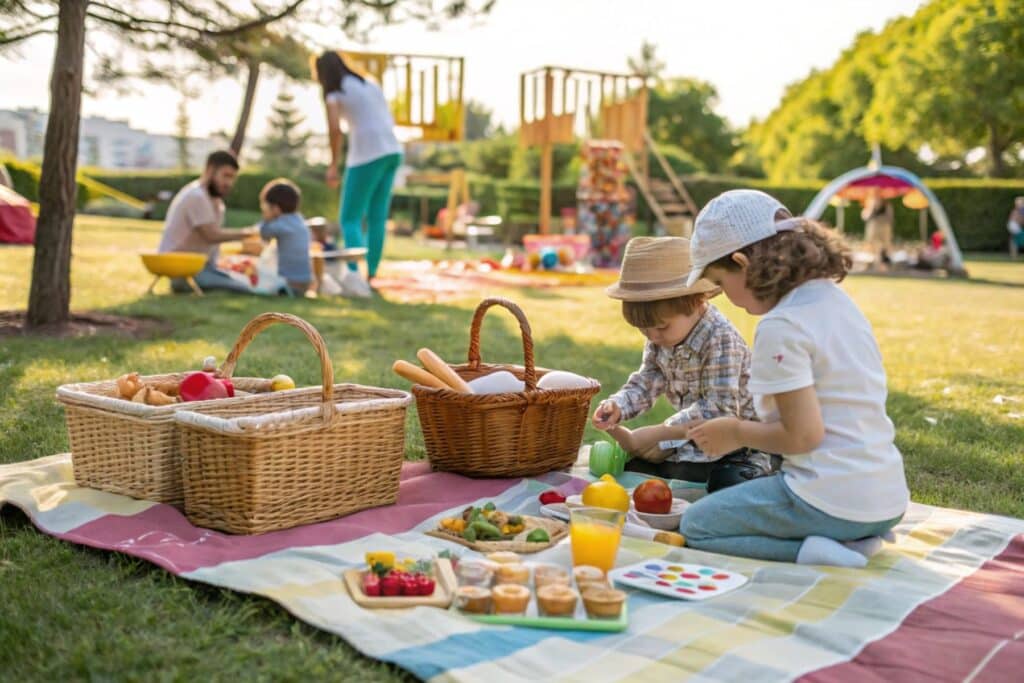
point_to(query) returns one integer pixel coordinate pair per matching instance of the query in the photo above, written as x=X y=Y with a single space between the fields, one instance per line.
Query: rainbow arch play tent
x=891 y=181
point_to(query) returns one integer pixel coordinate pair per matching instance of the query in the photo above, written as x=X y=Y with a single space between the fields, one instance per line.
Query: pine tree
x=284 y=148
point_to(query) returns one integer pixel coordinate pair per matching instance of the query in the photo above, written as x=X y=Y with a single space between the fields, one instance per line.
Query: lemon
x=606 y=493
x=281 y=382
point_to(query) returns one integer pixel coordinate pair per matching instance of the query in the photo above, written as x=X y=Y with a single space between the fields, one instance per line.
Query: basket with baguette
x=521 y=433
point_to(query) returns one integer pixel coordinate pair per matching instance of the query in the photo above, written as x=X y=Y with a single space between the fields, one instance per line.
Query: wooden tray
x=556 y=531
x=531 y=619
x=444 y=590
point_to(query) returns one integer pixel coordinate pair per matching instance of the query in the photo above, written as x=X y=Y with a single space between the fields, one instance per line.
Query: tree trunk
x=995 y=149
x=243 y=117
x=49 y=298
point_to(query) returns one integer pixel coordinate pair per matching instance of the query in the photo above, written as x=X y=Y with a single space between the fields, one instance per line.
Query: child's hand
x=607 y=415
x=716 y=437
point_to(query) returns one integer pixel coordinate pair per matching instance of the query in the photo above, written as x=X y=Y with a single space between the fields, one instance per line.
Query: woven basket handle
x=530 y=373
x=265 y=320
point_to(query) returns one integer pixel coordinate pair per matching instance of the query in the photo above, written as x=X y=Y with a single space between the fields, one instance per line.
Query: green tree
x=479 y=124
x=147 y=26
x=647 y=64
x=284 y=148
x=681 y=113
x=956 y=82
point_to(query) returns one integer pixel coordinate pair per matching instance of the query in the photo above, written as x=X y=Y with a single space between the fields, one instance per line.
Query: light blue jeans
x=211 y=278
x=764 y=519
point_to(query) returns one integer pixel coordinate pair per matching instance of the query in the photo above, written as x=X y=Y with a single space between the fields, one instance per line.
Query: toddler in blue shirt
x=279 y=204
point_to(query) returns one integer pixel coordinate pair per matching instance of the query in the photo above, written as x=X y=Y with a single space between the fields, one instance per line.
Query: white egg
x=501 y=382
x=560 y=379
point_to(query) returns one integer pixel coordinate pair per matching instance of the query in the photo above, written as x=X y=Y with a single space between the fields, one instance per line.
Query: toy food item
x=473 y=599
x=417 y=375
x=556 y=600
x=586 y=573
x=559 y=379
x=437 y=367
x=538 y=536
x=606 y=493
x=510 y=598
x=549 y=575
x=607 y=458
x=281 y=383
x=603 y=603
x=501 y=382
x=485 y=523
x=548 y=258
x=513 y=573
x=129 y=385
x=504 y=557
x=653 y=496
x=202 y=386
x=551 y=497
x=152 y=397
x=381 y=560
x=474 y=574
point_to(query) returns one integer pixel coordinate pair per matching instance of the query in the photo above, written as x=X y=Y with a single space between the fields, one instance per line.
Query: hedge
x=25 y=176
x=977 y=208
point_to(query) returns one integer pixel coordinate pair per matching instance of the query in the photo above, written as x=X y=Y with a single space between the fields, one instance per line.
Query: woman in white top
x=374 y=154
x=819 y=390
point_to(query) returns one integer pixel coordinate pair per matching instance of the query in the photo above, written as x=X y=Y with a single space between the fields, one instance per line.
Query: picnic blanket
x=945 y=602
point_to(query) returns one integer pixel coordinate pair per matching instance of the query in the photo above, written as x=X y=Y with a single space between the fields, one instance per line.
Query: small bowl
x=664 y=522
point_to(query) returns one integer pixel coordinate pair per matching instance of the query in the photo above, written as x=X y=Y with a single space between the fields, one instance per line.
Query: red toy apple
x=653 y=496
x=391 y=584
x=202 y=386
x=371 y=584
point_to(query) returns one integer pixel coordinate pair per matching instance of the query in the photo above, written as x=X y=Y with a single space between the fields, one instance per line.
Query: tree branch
x=141 y=25
x=10 y=40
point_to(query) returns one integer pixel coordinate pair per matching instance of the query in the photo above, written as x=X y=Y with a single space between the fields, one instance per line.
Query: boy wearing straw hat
x=693 y=356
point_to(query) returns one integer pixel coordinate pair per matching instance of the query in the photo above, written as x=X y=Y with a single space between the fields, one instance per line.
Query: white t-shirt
x=816 y=336
x=192 y=207
x=371 y=128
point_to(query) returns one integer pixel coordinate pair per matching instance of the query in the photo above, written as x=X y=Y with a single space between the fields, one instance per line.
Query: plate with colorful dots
x=678 y=580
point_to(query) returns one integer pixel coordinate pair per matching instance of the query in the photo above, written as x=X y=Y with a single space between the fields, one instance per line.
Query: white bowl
x=664 y=522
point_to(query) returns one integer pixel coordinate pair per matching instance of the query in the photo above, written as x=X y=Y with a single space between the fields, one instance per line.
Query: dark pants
x=734 y=468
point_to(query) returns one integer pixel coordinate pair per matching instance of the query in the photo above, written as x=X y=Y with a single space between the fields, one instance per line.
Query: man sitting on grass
x=195 y=222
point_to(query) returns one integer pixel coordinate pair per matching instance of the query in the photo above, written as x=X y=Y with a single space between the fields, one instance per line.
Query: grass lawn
x=68 y=612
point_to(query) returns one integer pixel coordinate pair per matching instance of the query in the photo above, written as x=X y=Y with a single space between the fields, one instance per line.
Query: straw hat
x=656 y=268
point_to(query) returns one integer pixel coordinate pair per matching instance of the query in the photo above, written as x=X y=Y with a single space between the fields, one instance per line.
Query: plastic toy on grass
x=175 y=264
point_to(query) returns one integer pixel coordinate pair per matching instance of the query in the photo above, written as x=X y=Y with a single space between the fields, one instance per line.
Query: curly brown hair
x=642 y=314
x=781 y=263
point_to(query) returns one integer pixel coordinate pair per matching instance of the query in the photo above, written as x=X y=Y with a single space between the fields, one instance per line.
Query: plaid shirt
x=703 y=376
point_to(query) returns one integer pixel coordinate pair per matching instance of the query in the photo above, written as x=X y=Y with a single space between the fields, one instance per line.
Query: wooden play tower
x=558 y=104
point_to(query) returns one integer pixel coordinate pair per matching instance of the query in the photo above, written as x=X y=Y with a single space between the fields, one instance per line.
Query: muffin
x=547 y=575
x=513 y=573
x=557 y=600
x=504 y=557
x=510 y=598
x=586 y=573
x=603 y=603
x=473 y=599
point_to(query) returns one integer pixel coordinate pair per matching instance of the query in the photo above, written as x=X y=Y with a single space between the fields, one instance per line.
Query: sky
x=749 y=49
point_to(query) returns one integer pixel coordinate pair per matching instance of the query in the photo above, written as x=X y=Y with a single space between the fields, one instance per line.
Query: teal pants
x=367 y=194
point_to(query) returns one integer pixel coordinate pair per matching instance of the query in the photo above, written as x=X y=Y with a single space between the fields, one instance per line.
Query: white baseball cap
x=731 y=221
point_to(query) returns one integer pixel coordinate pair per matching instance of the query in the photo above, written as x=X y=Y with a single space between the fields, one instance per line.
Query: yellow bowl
x=174 y=263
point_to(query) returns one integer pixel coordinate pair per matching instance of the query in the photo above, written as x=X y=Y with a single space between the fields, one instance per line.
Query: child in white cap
x=819 y=389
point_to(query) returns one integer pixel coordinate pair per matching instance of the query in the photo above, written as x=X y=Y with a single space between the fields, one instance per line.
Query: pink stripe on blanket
x=162 y=534
x=974 y=630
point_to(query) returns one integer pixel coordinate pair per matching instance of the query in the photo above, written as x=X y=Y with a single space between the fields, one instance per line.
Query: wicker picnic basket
x=295 y=457
x=129 y=448
x=518 y=434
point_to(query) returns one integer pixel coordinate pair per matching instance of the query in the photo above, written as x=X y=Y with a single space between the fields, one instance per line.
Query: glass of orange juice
x=595 y=534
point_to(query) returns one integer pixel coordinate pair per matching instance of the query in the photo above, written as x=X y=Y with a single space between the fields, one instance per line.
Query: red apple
x=425 y=584
x=653 y=496
x=391 y=584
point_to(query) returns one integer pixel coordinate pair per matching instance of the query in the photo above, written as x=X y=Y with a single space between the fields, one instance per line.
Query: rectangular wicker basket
x=284 y=459
x=129 y=448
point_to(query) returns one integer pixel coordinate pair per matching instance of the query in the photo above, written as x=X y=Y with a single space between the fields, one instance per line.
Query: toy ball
x=566 y=256
x=533 y=259
x=548 y=258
